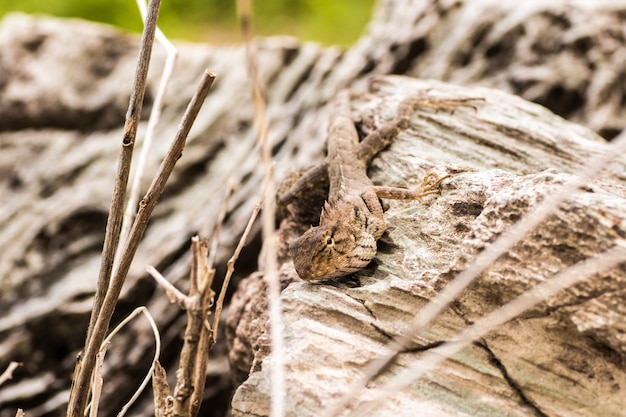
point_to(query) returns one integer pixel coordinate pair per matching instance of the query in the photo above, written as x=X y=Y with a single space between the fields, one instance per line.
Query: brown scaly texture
x=352 y=219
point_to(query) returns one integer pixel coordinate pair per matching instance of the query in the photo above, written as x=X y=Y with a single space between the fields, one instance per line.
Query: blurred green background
x=327 y=21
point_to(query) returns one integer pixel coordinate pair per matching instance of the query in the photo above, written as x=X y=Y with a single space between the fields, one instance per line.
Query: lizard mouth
x=333 y=261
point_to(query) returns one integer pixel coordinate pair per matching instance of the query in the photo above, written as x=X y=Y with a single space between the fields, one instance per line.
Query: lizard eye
x=330 y=241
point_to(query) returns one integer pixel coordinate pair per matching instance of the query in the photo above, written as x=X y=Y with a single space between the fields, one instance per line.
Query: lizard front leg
x=430 y=185
x=375 y=142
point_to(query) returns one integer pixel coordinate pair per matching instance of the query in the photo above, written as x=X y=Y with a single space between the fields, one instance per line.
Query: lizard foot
x=431 y=183
x=429 y=186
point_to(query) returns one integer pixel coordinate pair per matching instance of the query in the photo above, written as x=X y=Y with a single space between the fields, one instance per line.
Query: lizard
x=352 y=220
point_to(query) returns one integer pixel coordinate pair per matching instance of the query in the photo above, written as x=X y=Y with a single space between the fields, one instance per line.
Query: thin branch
x=488 y=256
x=80 y=386
x=97 y=379
x=194 y=355
x=96 y=384
x=198 y=249
x=172 y=292
x=202 y=358
x=114 y=223
x=231 y=268
x=157 y=352
x=191 y=372
x=8 y=373
x=564 y=279
x=199 y=338
x=153 y=120
x=139 y=226
x=277 y=365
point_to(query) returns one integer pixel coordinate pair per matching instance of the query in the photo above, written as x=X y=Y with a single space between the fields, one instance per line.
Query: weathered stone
x=563 y=357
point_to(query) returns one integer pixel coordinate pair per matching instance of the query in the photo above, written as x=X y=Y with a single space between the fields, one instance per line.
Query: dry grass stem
x=157 y=351
x=133 y=115
x=487 y=257
x=139 y=226
x=96 y=384
x=271 y=277
x=172 y=292
x=194 y=354
x=231 y=268
x=566 y=278
x=97 y=375
x=191 y=374
x=8 y=373
x=153 y=120
x=85 y=364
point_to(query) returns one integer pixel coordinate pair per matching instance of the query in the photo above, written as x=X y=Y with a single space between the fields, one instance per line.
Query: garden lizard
x=352 y=218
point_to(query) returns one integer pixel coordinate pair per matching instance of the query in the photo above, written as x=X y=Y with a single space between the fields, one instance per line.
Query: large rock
x=563 y=357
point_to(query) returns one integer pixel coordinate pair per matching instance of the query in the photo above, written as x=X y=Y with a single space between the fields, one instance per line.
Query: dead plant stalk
x=96 y=333
x=85 y=365
x=199 y=337
x=271 y=277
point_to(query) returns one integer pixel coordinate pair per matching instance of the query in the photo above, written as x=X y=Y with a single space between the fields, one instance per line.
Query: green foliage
x=326 y=21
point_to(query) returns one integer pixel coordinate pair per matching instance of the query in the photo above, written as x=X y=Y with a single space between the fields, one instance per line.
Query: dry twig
x=8 y=373
x=153 y=120
x=231 y=268
x=171 y=291
x=199 y=336
x=85 y=364
x=269 y=208
x=147 y=205
x=191 y=374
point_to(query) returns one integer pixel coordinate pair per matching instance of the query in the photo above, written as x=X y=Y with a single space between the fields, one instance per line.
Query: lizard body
x=352 y=219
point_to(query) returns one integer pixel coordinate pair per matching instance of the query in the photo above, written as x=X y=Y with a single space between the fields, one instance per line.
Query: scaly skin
x=352 y=220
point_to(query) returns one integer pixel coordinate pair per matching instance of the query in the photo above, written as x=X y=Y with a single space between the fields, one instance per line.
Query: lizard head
x=334 y=248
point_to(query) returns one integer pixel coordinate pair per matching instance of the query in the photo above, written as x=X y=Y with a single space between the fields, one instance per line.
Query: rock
x=563 y=357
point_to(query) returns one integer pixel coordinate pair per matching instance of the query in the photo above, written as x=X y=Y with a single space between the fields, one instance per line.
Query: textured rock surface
x=564 y=357
x=64 y=86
